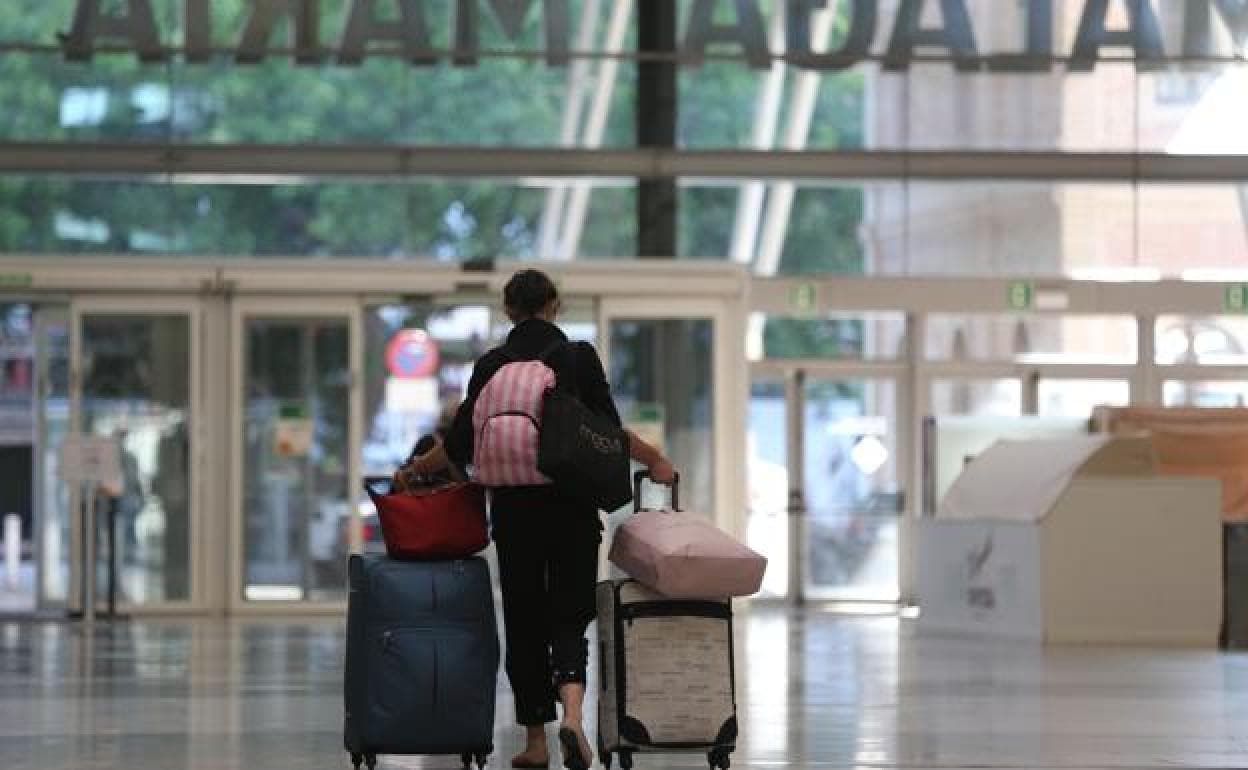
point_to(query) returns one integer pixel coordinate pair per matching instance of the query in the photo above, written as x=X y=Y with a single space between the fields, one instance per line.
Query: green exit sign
x=1237 y=298
x=16 y=280
x=804 y=298
x=1020 y=296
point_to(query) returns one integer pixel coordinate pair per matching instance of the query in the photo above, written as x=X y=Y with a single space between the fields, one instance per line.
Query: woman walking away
x=547 y=543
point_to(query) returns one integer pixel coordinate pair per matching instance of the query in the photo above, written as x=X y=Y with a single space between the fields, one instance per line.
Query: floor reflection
x=814 y=689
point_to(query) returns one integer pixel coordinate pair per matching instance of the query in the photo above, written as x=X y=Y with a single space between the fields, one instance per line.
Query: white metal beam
x=596 y=127
x=766 y=120
x=573 y=114
x=797 y=132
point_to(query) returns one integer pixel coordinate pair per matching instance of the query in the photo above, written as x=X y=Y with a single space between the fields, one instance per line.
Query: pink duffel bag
x=684 y=555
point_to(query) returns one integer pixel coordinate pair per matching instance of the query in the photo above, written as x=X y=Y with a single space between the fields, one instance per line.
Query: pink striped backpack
x=506 y=421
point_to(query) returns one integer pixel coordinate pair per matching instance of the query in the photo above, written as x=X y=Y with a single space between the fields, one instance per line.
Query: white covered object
x=1072 y=542
x=1018 y=480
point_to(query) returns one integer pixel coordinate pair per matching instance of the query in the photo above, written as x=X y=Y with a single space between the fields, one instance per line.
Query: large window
x=441 y=219
x=511 y=96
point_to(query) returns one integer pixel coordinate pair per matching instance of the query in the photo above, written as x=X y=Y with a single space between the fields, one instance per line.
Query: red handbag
x=430 y=523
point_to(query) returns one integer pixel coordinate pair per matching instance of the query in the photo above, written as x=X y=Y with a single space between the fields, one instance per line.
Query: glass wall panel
x=446 y=220
x=113 y=98
x=920 y=228
x=384 y=99
x=672 y=404
x=1034 y=338
x=67 y=216
x=768 y=488
x=1193 y=109
x=784 y=227
x=438 y=219
x=1194 y=226
x=1204 y=340
x=868 y=337
x=1077 y=398
x=977 y=398
x=296 y=502
x=18 y=405
x=52 y=496
x=137 y=388
x=1013 y=228
x=418 y=358
x=1205 y=393
x=853 y=498
x=35 y=21
x=724 y=102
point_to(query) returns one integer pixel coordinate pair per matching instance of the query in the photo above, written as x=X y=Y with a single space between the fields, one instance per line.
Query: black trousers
x=548 y=565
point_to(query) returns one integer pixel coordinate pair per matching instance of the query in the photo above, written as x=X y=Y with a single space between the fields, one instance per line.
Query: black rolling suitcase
x=1235 y=586
x=422 y=659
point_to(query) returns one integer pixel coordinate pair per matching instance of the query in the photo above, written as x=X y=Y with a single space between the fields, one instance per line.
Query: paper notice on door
x=293 y=437
x=91 y=460
x=412 y=396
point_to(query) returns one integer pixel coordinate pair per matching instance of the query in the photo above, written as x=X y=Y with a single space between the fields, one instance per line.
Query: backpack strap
x=550 y=350
x=508 y=356
x=569 y=383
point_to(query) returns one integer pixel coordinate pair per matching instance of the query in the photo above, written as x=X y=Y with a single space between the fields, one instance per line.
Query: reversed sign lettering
x=132 y=25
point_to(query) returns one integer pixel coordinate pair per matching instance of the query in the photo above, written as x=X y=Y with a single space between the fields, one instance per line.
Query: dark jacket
x=576 y=365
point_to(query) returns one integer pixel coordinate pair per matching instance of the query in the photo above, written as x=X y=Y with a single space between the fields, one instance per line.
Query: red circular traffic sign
x=412 y=354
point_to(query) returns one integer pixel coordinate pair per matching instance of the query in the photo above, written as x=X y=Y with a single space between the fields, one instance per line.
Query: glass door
x=676 y=385
x=53 y=500
x=297 y=440
x=769 y=500
x=136 y=380
x=852 y=468
x=18 y=398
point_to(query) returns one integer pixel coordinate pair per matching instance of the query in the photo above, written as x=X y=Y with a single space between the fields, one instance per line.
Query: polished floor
x=816 y=690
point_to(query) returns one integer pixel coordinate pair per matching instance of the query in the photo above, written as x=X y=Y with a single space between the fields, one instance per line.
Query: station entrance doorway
x=250 y=401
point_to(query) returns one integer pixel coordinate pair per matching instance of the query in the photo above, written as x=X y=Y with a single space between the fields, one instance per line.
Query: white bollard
x=12 y=549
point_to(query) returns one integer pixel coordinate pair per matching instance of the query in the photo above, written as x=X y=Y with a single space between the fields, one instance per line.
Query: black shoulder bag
x=583 y=453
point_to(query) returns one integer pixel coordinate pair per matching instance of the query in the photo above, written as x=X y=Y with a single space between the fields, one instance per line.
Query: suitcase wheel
x=605 y=757
x=481 y=760
x=465 y=759
x=719 y=760
x=370 y=761
x=357 y=760
x=626 y=760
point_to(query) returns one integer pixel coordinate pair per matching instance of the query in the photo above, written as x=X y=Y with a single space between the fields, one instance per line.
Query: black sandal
x=573 y=759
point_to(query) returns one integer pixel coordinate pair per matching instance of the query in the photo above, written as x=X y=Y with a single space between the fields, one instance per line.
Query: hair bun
x=528 y=292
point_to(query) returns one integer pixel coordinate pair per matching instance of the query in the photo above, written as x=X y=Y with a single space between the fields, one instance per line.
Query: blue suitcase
x=422 y=659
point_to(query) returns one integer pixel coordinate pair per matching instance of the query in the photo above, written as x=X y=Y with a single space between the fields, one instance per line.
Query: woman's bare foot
x=536 y=753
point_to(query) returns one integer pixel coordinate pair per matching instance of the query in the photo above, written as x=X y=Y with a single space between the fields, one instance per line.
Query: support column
x=656 y=126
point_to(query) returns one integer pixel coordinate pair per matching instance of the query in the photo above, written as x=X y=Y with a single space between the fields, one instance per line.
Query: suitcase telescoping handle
x=637 y=479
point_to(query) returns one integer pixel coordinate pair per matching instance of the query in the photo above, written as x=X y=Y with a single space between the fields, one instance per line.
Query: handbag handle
x=638 y=476
x=370 y=482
